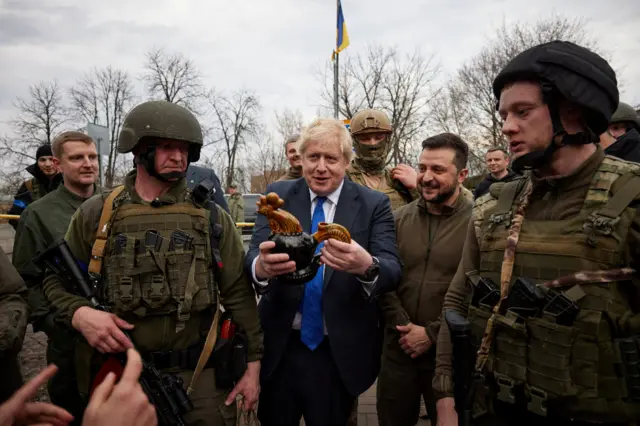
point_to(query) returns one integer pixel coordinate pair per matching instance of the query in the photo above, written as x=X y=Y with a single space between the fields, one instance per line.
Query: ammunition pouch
x=550 y=357
x=627 y=351
x=229 y=357
x=510 y=355
x=478 y=318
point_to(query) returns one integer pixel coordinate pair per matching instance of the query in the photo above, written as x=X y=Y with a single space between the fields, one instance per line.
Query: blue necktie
x=312 y=328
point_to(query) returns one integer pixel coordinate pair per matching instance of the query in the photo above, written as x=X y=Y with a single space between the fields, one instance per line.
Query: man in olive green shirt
x=165 y=293
x=236 y=204
x=42 y=223
x=431 y=232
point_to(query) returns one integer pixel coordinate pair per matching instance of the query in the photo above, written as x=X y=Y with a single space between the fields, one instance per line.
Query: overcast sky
x=274 y=46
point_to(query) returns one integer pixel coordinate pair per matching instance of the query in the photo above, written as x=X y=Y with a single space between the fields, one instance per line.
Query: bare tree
x=401 y=85
x=266 y=163
x=103 y=97
x=449 y=114
x=39 y=118
x=475 y=77
x=288 y=123
x=235 y=122
x=174 y=78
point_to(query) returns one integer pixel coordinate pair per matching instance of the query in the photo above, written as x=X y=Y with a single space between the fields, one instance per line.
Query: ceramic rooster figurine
x=287 y=233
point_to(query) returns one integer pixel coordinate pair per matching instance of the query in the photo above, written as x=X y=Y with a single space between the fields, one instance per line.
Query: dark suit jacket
x=353 y=320
x=196 y=174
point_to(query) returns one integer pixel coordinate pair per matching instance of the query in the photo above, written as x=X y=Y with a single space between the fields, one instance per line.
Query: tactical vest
x=574 y=369
x=145 y=275
x=394 y=196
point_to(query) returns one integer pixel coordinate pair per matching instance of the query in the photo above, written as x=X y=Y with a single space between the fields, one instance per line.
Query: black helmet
x=575 y=73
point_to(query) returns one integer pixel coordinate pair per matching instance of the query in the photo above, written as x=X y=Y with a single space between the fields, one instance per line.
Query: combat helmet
x=162 y=120
x=626 y=113
x=370 y=121
x=564 y=70
x=371 y=158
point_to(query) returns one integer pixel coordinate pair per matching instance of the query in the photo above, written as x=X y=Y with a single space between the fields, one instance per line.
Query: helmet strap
x=148 y=160
x=537 y=159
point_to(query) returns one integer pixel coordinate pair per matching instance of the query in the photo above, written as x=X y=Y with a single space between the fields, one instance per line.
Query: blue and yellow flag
x=342 y=36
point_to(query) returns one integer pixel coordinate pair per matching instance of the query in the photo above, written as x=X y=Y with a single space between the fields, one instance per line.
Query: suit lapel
x=299 y=204
x=346 y=212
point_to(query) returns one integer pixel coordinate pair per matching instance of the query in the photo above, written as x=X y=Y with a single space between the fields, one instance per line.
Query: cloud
x=272 y=47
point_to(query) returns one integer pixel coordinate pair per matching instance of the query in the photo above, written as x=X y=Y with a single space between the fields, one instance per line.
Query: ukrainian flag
x=342 y=36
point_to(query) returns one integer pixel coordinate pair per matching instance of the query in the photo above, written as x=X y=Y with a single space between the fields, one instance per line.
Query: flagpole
x=335 y=86
x=335 y=71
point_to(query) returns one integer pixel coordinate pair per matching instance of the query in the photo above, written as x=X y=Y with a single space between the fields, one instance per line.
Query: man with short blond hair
x=323 y=338
x=41 y=224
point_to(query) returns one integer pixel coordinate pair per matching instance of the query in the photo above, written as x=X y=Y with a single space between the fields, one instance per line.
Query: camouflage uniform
x=236 y=207
x=169 y=292
x=575 y=239
x=369 y=162
x=14 y=315
x=368 y=169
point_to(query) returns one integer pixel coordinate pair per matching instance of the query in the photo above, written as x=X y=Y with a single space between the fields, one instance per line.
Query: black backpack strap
x=215 y=235
x=200 y=198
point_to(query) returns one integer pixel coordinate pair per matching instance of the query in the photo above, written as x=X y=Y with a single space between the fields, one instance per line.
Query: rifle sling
x=209 y=343
x=99 y=246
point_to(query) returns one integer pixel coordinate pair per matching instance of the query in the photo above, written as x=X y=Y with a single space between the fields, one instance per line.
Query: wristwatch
x=372 y=271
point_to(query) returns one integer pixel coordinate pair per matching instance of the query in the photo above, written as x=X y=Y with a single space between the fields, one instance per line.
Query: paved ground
x=33 y=359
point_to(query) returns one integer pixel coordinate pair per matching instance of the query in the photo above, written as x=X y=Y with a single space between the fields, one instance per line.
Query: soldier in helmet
x=371 y=131
x=622 y=139
x=557 y=342
x=163 y=264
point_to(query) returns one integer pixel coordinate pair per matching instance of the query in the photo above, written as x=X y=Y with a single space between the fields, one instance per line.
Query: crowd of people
x=539 y=260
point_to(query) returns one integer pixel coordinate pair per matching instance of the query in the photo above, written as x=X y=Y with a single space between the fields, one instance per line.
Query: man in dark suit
x=196 y=174
x=323 y=339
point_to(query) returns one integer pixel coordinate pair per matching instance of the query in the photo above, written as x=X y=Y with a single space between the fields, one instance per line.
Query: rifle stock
x=462 y=357
x=166 y=392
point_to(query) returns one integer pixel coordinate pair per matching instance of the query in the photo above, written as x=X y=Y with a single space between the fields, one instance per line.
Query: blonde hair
x=327 y=131
x=62 y=138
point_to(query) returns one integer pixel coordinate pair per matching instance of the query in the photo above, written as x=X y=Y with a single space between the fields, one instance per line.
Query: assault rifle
x=463 y=360
x=166 y=391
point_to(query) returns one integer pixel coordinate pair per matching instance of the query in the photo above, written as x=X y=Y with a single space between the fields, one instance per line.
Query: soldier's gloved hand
x=405 y=174
x=102 y=329
x=18 y=411
x=271 y=265
x=124 y=404
x=414 y=340
x=447 y=415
